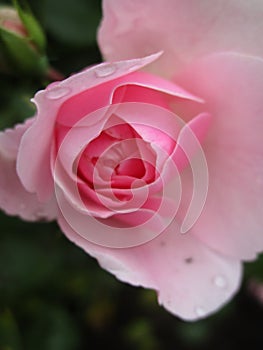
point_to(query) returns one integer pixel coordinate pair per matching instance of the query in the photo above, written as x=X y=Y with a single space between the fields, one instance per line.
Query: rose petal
x=86 y=123
x=14 y=199
x=184 y=30
x=36 y=178
x=125 y=233
x=148 y=88
x=232 y=219
x=192 y=281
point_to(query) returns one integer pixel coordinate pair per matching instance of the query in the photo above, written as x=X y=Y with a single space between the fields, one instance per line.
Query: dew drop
x=135 y=66
x=58 y=92
x=105 y=70
x=199 y=311
x=40 y=215
x=220 y=281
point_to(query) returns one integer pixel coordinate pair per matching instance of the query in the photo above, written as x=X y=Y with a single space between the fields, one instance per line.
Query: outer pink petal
x=14 y=199
x=192 y=281
x=232 y=219
x=182 y=29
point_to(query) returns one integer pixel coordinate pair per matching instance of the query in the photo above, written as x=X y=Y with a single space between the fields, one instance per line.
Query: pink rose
x=119 y=152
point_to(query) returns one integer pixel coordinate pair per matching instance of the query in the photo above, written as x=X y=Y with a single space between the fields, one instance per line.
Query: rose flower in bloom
x=152 y=162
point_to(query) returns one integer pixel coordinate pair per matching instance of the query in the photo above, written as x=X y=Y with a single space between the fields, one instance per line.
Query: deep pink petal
x=148 y=88
x=232 y=219
x=89 y=123
x=49 y=102
x=14 y=199
x=184 y=29
x=191 y=280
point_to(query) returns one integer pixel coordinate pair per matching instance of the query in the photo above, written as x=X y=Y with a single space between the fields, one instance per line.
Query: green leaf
x=22 y=55
x=36 y=34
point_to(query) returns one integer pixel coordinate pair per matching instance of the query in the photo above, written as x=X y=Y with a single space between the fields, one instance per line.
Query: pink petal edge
x=14 y=198
x=192 y=280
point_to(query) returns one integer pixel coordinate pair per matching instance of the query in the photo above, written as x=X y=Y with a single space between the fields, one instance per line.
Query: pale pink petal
x=48 y=103
x=183 y=29
x=14 y=199
x=148 y=88
x=190 y=140
x=106 y=232
x=191 y=280
x=80 y=195
x=232 y=219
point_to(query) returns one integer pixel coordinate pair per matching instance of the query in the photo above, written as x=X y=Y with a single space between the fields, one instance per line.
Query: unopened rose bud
x=10 y=21
x=22 y=42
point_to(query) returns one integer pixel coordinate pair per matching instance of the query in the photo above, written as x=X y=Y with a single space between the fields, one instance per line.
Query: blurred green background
x=53 y=296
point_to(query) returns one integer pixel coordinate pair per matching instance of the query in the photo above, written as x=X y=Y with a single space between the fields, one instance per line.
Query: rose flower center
x=115 y=159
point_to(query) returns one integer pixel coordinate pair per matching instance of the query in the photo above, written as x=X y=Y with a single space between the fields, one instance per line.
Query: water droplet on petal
x=22 y=206
x=105 y=70
x=58 y=92
x=135 y=66
x=220 y=281
x=40 y=215
x=199 y=311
